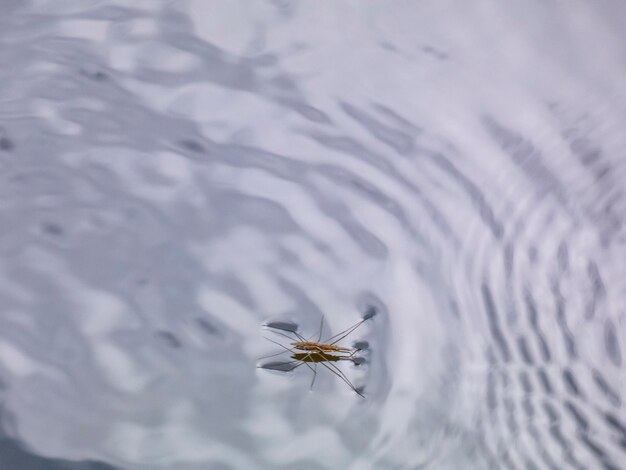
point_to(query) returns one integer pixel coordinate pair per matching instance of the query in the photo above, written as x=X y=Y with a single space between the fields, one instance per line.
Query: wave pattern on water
x=174 y=176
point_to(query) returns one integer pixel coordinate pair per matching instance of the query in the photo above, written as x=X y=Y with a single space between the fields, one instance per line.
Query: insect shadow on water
x=311 y=353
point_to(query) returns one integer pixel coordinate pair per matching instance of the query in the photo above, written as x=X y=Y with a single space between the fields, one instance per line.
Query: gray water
x=176 y=174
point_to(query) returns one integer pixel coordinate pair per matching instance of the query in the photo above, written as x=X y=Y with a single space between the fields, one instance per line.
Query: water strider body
x=320 y=347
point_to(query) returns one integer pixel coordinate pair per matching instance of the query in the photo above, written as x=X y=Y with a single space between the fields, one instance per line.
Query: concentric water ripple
x=173 y=176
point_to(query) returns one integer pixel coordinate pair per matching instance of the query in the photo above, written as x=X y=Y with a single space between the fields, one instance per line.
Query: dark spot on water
x=6 y=144
x=581 y=421
x=524 y=350
x=551 y=413
x=605 y=388
x=311 y=113
x=546 y=355
x=570 y=382
x=359 y=360
x=207 y=327
x=94 y=74
x=435 y=53
x=52 y=228
x=610 y=466
x=616 y=424
x=192 y=145
x=525 y=382
x=598 y=289
x=361 y=345
x=611 y=343
x=592 y=446
x=585 y=150
x=169 y=339
x=545 y=382
x=602 y=172
x=388 y=46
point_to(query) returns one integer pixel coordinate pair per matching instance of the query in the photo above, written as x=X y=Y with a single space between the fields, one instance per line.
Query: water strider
x=326 y=352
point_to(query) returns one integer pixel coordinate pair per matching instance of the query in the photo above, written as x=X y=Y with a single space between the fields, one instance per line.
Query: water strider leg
x=343 y=377
x=314 y=376
x=319 y=337
x=284 y=335
x=271 y=355
x=344 y=333
x=353 y=353
x=281 y=345
x=300 y=337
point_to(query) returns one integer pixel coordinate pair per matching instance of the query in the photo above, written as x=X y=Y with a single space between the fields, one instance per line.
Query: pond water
x=177 y=176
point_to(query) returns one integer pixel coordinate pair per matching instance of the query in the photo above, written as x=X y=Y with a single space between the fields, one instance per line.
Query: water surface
x=174 y=175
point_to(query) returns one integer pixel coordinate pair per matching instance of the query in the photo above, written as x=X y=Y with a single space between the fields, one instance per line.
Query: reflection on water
x=175 y=174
